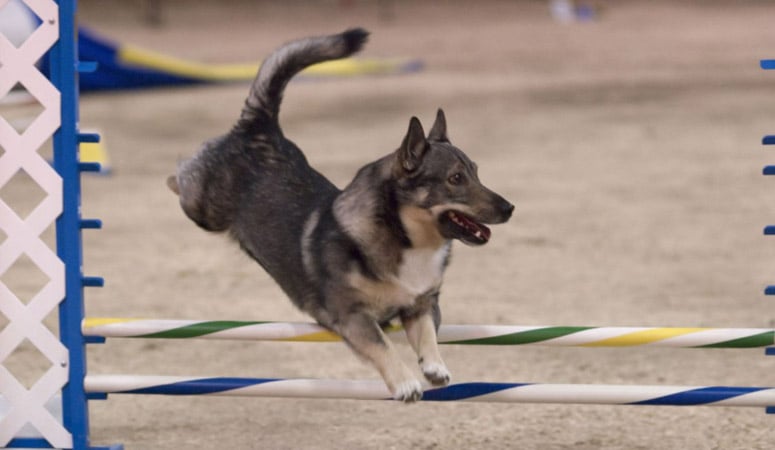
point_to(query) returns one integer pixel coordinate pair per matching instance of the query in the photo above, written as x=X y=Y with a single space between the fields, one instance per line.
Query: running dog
x=357 y=258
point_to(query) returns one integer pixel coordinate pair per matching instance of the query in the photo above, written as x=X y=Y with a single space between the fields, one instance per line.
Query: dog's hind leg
x=205 y=191
x=365 y=337
x=421 y=333
x=172 y=184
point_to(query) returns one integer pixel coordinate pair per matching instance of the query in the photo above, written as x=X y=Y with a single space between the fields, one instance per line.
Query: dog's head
x=437 y=177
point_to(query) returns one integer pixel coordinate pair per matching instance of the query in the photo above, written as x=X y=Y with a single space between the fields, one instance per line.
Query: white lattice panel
x=26 y=406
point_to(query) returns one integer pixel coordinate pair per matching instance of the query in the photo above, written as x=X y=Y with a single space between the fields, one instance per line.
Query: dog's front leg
x=421 y=333
x=365 y=337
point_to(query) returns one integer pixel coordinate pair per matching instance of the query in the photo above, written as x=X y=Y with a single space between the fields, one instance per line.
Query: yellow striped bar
x=564 y=336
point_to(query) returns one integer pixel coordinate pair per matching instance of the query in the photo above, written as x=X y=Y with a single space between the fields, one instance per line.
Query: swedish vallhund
x=357 y=258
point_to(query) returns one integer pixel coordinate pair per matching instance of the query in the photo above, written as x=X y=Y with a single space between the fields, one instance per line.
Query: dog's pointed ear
x=439 y=130
x=413 y=147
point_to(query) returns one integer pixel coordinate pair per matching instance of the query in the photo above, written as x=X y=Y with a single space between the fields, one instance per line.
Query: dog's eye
x=456 y=179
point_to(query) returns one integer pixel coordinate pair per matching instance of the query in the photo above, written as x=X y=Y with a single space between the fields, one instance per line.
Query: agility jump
x=67 y=376
x=99 y=386
x=101 y=328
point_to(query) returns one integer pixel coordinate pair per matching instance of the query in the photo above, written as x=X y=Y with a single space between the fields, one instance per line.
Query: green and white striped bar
x=563 y=336
x=473 y=392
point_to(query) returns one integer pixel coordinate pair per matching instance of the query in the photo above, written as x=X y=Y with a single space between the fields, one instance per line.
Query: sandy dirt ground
x=630 y=145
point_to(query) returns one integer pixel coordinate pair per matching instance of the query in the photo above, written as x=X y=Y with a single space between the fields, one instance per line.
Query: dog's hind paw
x=436 y=373
x=172 y=183
x=408 y=391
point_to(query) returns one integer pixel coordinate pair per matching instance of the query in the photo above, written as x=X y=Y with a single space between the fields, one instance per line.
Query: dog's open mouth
x=456 y=225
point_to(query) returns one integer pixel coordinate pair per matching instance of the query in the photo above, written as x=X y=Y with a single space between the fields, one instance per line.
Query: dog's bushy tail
x=275 y=72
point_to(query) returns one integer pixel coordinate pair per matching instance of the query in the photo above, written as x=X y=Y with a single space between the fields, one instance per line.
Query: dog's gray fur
x=354 y=259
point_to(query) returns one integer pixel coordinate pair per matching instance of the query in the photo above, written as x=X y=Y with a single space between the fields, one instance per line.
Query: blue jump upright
x=769 y=230
x=56 y=34
x=65 y=66
x=769 y=64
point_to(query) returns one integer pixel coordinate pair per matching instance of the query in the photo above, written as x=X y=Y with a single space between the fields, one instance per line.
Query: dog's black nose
x=509 y=209
x=506 y=209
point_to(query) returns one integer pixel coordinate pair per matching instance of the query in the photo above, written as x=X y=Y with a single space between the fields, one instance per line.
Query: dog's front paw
x=436 y=373
x=408 y=391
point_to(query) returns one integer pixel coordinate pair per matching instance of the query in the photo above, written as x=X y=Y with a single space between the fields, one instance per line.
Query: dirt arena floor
x=630 y=145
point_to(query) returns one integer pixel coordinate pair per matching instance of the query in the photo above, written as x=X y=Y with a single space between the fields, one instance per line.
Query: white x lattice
x=27 y=406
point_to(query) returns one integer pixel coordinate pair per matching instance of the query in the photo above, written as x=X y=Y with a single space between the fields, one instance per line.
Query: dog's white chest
x=421 y=269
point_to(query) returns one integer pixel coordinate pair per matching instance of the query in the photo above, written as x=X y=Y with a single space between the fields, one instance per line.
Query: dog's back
x=253 y=182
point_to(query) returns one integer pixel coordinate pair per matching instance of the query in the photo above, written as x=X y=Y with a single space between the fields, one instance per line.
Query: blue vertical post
x=62 y=60
x=64 y=63
x=768 y=64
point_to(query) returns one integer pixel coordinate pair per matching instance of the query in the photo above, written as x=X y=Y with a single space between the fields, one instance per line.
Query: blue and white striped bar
x=601 y=394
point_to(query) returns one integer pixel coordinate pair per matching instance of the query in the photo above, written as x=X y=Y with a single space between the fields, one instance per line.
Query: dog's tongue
x=477 y=230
